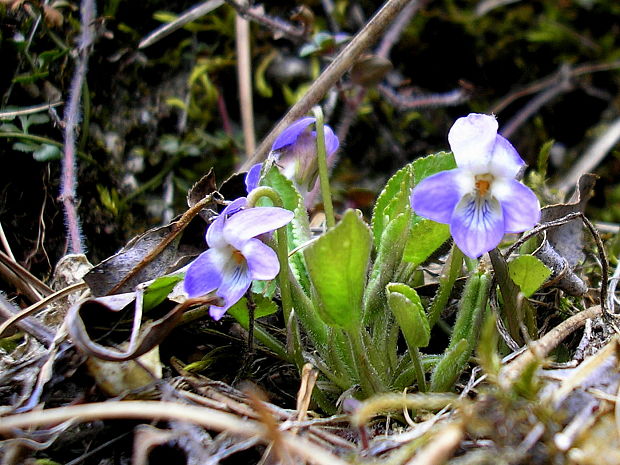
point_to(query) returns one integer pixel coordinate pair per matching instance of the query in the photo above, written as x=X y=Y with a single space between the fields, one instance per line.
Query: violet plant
x=349 y=295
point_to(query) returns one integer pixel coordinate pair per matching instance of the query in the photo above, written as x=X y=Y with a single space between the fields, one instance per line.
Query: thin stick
x=592 y=157
x=541 y=348
x=5 y=244
x=41 y=304
x=26 y=276
x=69 y=165
x=28 y=110
x=371 y=32
x=188 y=16
x=156 y=410
x=563 y=85
x=33 y=327
x=244 y=76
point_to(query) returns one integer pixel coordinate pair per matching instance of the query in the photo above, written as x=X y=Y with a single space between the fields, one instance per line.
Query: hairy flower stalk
x=481 y=200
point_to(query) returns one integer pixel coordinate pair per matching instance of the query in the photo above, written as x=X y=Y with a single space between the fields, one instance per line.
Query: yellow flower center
x=483 y=184
x=238 y=257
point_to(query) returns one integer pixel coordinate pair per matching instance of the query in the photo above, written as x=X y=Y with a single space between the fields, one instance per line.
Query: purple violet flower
x=252 y=178
x=481 y=200
x=295 y=151
x=236 y=255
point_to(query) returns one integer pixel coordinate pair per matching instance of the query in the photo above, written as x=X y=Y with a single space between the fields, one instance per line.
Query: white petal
x=472 y=139
x=505 y=161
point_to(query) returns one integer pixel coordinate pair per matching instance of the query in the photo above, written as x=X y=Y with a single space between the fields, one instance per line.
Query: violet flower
x=236 y=255
x=295 y=152
x=481 y=200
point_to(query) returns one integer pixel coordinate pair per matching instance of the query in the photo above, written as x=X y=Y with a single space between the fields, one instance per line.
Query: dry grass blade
x=41 y=305
x=154 y=410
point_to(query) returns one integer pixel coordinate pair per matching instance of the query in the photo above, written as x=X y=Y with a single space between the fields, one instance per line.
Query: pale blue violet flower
x=481 y=200
x=236 y=254
x=294 y=151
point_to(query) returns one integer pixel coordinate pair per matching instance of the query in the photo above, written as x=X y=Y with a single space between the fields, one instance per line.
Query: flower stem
x=419 y=370
x=450 y=272
x=322 y=162
x=281 y=248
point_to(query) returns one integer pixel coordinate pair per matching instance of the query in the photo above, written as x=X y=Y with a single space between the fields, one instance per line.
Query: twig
x=552 y=80
x=487 y=5
x=188 y=16
x=33 y=327
x=392 y=35
x=244 y=76
x=541 y=348
x=362 y=40
x=275 y=24
x=41 y=305
x=157 y=410
x=444 y=99
x=28 y=110
x=442 y=447
x=563 y=84
x=25 y=276
x=592 y=157
x=5 y=244
x=69 y=165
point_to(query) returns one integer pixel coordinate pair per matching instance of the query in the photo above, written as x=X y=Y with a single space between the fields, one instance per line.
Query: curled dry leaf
x=105 y=276
x=562 y=247
x=144 y=337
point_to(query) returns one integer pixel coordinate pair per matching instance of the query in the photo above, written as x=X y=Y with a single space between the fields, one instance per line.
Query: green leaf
x=389 y=200
x=432 y=164
x=46 y=152
x=263 y=307
x=158 y=290
x=488 y=356
x=528 y=273
x=25 y=147
x=425 y=238
x=9 y=127
x=338 y=264
x=407 y=308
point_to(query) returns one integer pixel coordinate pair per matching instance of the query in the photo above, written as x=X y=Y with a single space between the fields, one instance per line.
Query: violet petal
x=235 y=283
x=290 y=134
x=253 y=222
x=436 y=196
x=215 y=232
x=253 y=177
x=204 y=274
x=262 y=260
x=477 y=225
x=519 y=204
